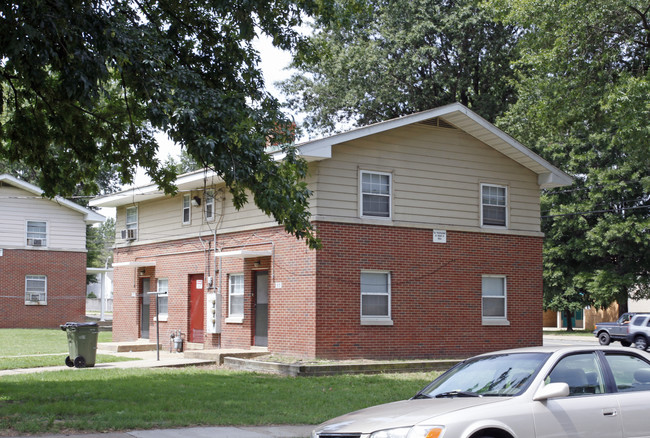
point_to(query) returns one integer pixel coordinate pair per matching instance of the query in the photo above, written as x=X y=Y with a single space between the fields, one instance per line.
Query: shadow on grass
x=109 y=400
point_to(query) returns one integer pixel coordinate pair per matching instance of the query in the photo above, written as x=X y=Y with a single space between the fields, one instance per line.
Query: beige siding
x=66 y=229
x=436 y=173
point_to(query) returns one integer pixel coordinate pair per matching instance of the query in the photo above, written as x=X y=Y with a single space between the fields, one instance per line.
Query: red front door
x=197 y=308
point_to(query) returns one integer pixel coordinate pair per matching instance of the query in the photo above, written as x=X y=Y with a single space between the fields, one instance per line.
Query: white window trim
x=390 y=195
x=506 y=207
x=189 y=209
x=47 y=233
x=209 y=199
x=126 y=218
x=376 y=320
x=39 y=302
x=235 y=318
x=163 y=316
x=496 y=320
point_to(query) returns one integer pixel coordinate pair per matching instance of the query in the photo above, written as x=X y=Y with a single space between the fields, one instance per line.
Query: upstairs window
x=187 y=203
x=493 y=206
x=209 y=205
x=375 y=194
x=131 y=218
x=36 y=233
x=36 y=289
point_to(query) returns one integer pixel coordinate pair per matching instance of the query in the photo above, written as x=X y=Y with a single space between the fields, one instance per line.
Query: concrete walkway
x=204 y=432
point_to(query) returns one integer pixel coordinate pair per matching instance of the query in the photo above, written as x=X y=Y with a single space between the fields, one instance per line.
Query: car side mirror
x=552 y=390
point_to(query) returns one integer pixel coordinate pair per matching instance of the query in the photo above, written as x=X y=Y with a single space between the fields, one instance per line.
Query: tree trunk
x=569 y=325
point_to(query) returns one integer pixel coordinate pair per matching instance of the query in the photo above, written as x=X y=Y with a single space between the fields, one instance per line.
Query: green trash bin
x=82 y=343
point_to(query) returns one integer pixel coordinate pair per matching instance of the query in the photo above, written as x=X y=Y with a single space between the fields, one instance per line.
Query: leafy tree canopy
x=380 y=59
x=88 y=82
x=583 y=90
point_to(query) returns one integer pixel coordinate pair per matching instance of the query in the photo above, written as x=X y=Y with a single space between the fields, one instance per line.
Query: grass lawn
x=32 y=348
x=104 y=400
x=109 y=400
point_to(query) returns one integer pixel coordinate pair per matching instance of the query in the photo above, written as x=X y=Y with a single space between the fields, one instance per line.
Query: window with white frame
x=36 y=289
x=494 y=299
x=494 y=205
x=131 y=218
x=187 y=204
x=375 y=297
x=36 y=233
x=163 y=298
x=236 y=296
x=375 y=194
x=209 y=205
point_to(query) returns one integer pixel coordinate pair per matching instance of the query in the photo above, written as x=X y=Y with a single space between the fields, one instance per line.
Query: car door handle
x=609 y=412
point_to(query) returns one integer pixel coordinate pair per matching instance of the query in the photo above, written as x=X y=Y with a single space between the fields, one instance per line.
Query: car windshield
x=501 y=375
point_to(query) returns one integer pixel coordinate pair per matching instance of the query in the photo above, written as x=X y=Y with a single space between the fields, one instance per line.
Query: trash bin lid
x=79 y=324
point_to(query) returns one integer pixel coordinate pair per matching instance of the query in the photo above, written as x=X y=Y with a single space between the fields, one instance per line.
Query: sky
x=274 y=63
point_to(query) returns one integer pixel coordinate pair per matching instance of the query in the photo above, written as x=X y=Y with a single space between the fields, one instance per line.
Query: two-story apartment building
x=431 y=237
x=42 y=257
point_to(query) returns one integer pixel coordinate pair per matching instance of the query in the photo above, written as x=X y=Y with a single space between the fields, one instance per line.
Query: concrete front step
x=125 y=347
x=218 y=355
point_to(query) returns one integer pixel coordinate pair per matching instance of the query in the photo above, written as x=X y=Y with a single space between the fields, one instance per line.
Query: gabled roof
x=89 y=215
x=461 y=117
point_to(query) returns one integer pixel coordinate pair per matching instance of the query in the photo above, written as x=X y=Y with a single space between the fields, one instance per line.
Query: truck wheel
x=603 y=338
x=641 y=343
x=626 y=343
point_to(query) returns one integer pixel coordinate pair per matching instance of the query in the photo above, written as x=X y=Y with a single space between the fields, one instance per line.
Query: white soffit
x=244 y=254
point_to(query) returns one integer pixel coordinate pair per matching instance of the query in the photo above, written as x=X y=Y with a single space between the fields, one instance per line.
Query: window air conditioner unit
x=35 y=242
x=35 y=297
x=130 y=234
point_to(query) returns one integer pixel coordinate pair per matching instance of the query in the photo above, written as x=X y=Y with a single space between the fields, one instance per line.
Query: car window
x=581 y=372
x=631 y=373
x=638 y=321
x=500 y=375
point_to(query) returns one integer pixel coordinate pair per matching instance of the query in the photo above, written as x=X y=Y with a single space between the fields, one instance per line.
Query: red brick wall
x=291 y=306
x=436 y=292
x=66 y=288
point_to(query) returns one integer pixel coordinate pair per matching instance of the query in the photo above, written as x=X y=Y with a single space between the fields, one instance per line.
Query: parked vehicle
x=533 y=392
x=639 y=331
x=607 y=332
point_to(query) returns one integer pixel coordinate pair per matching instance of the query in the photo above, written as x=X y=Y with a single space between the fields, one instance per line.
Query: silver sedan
x=532 y=392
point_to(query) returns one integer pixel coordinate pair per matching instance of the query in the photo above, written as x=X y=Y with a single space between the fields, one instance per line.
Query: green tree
x=380 y=59
x=99 y=243
x=85 y=83
x=583 y=90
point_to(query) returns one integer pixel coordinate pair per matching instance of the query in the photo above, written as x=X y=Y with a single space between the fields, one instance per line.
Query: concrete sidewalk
x=204 y=432
x=143 y=359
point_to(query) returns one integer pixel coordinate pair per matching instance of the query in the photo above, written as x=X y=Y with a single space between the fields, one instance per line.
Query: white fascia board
x=464 y=119
x=89 y=215
x=323 y=147
x=133 y=195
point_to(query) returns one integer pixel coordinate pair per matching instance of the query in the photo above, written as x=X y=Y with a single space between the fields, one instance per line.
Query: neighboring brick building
x=42 y=257
x=432 y=247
